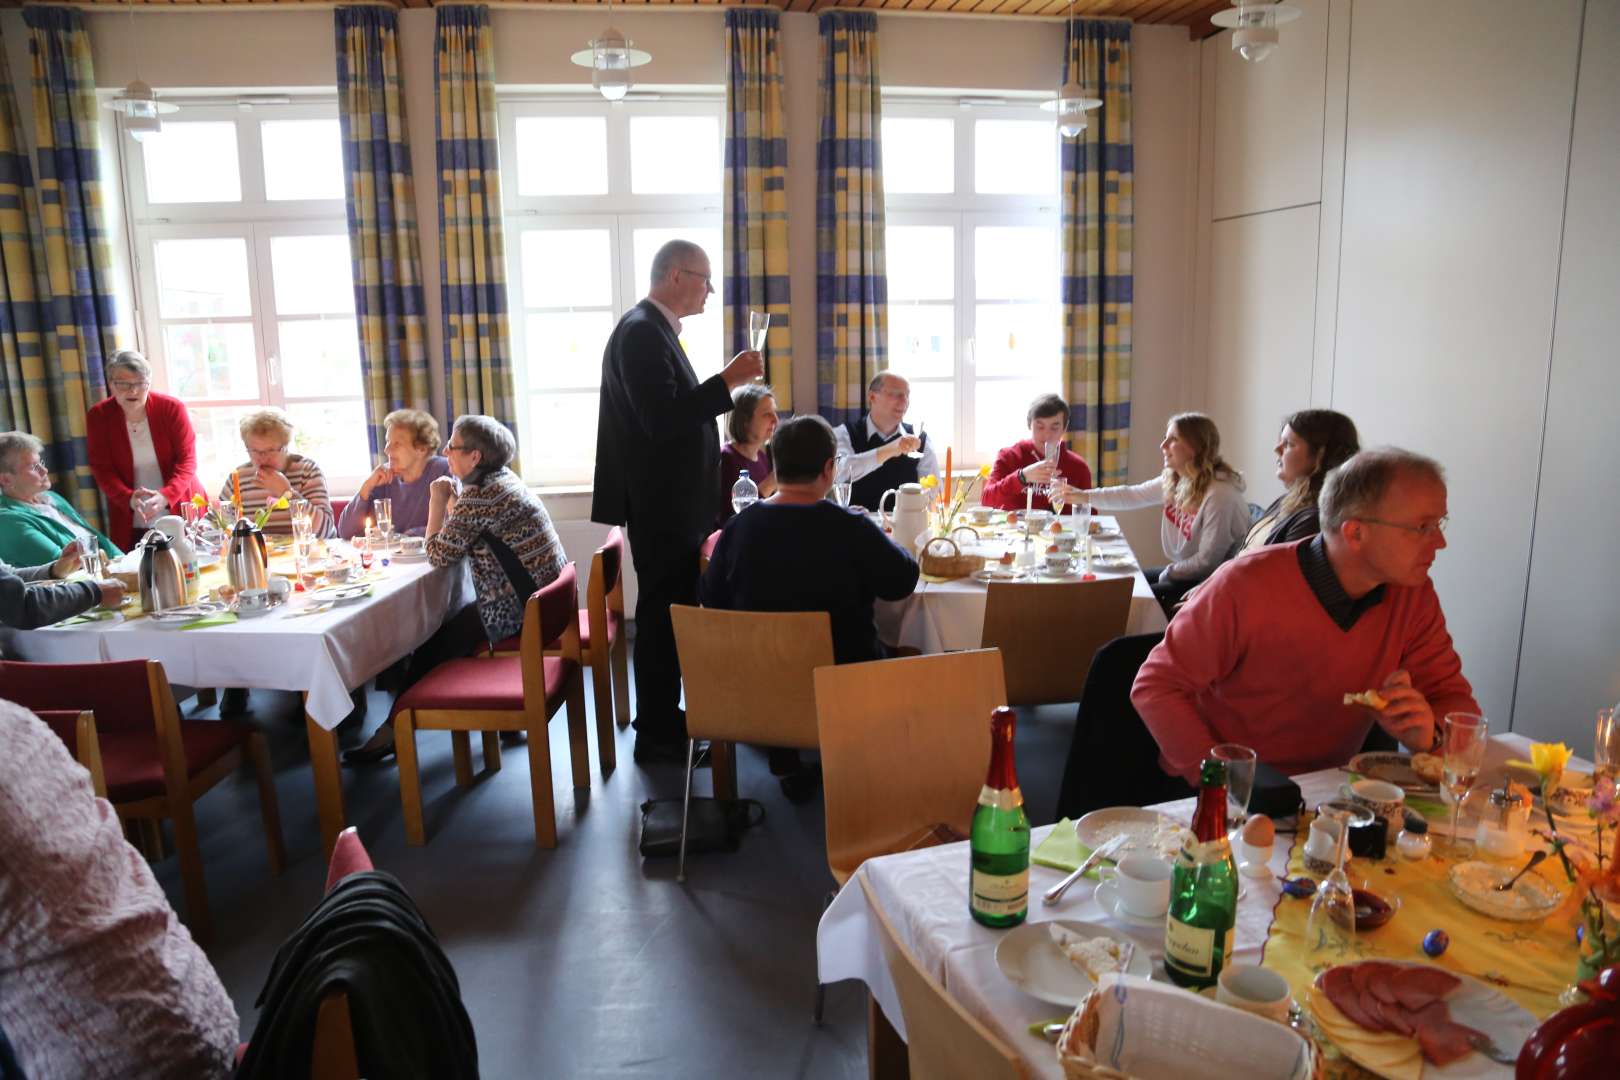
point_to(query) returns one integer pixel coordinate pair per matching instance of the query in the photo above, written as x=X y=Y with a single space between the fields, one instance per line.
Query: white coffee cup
x=980 y=515
x=1253 y=989
x=1057 y=562
x=253 y=600
x=280 y=588
x=1322 y=843
x=1142 y=884
x=1384 y=799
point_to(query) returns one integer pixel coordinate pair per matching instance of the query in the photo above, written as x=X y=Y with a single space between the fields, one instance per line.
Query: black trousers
x=462 y=634
x=1168 y=592
x=666 y=573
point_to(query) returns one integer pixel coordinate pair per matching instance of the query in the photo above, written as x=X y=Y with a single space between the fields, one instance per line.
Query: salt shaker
x=1413 y=842
x=1503 y=823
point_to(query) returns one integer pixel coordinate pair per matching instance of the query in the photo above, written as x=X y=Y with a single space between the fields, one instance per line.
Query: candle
x=1029 y=504
x=236 y=490
x=947 y=477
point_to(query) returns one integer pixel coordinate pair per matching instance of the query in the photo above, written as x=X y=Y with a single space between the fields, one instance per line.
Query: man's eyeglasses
x=1427 y=530
x=124 y=386
x=708 y=279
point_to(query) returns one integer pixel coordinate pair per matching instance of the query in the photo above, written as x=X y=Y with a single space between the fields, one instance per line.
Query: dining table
x=948 y=615
x=924 y=893
x=310 y=644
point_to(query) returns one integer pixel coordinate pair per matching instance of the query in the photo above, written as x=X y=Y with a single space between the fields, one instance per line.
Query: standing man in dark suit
x=657 y=459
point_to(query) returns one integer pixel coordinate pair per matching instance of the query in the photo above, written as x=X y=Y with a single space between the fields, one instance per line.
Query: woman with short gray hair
x=485 y=514
x=36 y=524
x=142 y=449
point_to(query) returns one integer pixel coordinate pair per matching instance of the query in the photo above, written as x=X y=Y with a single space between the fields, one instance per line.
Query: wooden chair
x=748 y=678
x=1048 y=633
x=603 y=643
x=943 y=1040
x=333 y=1055
x=518 y=692
x=904 y=748
x=144 y=759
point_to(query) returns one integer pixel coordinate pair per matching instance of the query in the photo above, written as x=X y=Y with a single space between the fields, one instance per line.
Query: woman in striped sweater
x=271 y=472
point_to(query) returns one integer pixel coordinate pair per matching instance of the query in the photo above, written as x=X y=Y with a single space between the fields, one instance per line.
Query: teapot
x=910 y=516
x=247 y=558
x=162 y=579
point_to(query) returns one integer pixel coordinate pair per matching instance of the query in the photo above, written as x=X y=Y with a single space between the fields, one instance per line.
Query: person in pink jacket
x=1265 y=652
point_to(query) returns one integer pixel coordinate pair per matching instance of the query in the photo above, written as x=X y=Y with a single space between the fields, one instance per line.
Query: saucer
x=1108 y=899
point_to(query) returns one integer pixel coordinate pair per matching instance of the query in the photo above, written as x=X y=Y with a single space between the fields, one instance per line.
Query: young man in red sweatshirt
x=1266 y=651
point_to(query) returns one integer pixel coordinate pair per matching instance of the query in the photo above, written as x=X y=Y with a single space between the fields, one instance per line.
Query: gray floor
x=585 y=961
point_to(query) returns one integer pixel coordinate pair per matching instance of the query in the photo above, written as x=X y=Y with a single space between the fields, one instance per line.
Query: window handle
x=275 y=370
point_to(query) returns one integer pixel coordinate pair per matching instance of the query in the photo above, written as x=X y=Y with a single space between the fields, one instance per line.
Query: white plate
x=1108 y=899
x=1483 y=1008
x=343 y=594
x=1100 y=826
x=1003 y=574
x=253 y=613
x=402 y=556
x=1033 y=963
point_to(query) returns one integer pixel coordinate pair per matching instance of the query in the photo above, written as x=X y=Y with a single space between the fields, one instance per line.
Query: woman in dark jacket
x=1312 y=442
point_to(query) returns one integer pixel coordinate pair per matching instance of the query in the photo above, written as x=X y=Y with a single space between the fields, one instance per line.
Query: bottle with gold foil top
x=1203 y=890
x=999 y=892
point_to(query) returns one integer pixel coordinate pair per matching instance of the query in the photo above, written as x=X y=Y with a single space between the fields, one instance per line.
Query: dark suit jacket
x=657 y=446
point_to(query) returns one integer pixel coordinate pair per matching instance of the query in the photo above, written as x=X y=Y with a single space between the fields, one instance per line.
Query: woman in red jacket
x=1023 y=464
x=143 y=452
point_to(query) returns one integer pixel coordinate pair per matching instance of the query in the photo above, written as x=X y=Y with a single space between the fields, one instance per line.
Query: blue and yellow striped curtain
x=1096 y=178
x=79 y=309
x=25 y=395
x=756 y=192
x=381 y=202
x=472 y=246
x=851 y=289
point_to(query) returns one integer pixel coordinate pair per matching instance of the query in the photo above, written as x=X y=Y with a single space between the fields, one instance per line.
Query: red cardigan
x=112 y=462
x=1003 y=491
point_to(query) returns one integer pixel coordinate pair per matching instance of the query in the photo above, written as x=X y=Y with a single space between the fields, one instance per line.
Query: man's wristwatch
x=1023 y=481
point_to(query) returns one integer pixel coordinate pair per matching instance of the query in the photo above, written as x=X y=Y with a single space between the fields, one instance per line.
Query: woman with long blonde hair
x=1205 y=514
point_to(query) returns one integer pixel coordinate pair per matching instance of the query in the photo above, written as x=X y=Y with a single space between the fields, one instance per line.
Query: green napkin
x=95 y=615
x=1062 y=850
x=224 y=618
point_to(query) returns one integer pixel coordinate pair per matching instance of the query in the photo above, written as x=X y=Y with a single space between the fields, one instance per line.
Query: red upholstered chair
x=153 y=764
x=514 y=692
x=706 y=552
x=338 y=506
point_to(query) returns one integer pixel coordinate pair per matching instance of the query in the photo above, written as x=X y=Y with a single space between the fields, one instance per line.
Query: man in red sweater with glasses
x=1266 y=651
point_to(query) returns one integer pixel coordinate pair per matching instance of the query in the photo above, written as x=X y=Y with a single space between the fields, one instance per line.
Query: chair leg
x=545 y=808
x=579 y=747
x=601 y=688
x=191 y=869
x=461 y=750
x=620 y=657
x=269 y=808
x=686 y=808
x=410 y=780
x=492 y=751
x=206 y=696
x=151 y=834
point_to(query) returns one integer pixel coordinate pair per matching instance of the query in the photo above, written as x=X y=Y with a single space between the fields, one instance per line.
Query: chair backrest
x=558 y=602
x=119 y=692
x=612 y=555
x=1048 y=632
x=338 y=506
x=943 y=1040
x=349 y=856
x=748 y=674
x=904 y=746
x=1113 y=758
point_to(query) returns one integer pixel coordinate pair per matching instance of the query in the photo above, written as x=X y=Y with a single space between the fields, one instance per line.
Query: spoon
x=1535 y=860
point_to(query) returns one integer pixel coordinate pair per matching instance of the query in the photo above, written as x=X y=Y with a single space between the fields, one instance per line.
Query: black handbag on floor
x=714 y=825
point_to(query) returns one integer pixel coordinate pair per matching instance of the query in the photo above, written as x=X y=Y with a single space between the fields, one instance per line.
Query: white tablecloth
x=325 y=655
x=949 y=616
x=925 y=896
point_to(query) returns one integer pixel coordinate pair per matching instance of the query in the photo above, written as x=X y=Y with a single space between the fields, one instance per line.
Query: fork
x=1483 y=1044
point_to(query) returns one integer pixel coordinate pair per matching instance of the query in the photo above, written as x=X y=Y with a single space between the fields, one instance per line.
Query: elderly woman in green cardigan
x=36 y=524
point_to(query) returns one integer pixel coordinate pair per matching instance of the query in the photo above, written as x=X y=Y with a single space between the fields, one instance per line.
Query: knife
x=1103 y=851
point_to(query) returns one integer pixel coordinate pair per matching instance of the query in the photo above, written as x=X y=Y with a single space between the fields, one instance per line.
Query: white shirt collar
x=873 y=433
x=674 y=321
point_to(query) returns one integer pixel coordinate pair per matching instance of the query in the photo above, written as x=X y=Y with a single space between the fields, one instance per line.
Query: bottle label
x=995 y=894
x=1203 y=853
x=1192 y=948
x=1001 y=798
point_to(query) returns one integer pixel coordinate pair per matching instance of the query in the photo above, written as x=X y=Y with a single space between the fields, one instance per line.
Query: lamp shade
x=610 y=59
x=141 y=109
x=1254 y=27
x=1071 y=106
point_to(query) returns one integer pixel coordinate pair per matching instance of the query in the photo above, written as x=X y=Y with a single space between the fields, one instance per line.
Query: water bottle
x=744 y=493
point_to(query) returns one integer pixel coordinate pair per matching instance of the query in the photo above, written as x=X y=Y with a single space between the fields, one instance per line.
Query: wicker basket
x=1076 y=1047
x=942 y=557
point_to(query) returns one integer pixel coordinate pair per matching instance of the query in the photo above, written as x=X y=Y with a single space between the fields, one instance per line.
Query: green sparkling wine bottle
x=999 y=892
x=1203 y=890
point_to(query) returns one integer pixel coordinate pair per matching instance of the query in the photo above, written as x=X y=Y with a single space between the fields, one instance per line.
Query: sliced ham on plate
x=1407 y=1001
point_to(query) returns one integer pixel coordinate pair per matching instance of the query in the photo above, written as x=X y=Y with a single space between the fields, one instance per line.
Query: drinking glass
x=842 y=485
x=1240 y=762
x=917 y=453
x=1606 y=743
x=384 y=509
x=1331 y=925
x=1463 y=738
x=90 y=560
x=364 y=544
x=758 y=323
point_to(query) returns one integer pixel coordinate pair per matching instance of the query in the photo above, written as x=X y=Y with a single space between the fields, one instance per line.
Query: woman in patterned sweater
x=500 y=525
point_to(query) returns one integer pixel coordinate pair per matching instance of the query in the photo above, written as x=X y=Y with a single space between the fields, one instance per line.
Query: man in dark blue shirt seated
x=796 y=551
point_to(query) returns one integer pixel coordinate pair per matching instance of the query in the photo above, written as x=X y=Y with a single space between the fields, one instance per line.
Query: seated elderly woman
x=36 y=523
x=142 y=450
x=413 y=464
x=271 y=472
x=497 y=523
x=1024 y=464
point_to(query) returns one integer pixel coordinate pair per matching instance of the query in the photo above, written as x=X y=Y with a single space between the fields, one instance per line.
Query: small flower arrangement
x=270 y=507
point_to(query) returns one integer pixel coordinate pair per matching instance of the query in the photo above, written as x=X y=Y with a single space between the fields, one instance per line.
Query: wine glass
x=1463 y=738
x=744 y=493
x=1606 y=742
x=1331 y=925
x=917 y=453
x=1240 y=762
x=759 y=322
x=842 y=486
x=384 y=509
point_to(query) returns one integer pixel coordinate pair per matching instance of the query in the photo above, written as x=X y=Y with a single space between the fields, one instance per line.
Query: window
x=243 y=275
x=973 y=267
x=598 y=190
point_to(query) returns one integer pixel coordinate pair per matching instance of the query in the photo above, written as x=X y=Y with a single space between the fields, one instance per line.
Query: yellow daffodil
x=984 y=471
x=929 y=482
x=198 y=500
x=281 y=503
x=1547 y=760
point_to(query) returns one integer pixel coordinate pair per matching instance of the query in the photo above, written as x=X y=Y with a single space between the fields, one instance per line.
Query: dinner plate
x=1145 y=830
x=1477 y=1005
x=344 y=594
x=1392 y=768
x=1031 y=960
x=1002 y=574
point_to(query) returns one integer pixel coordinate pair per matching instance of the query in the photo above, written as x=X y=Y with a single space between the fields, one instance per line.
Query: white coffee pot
x=910 y=516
